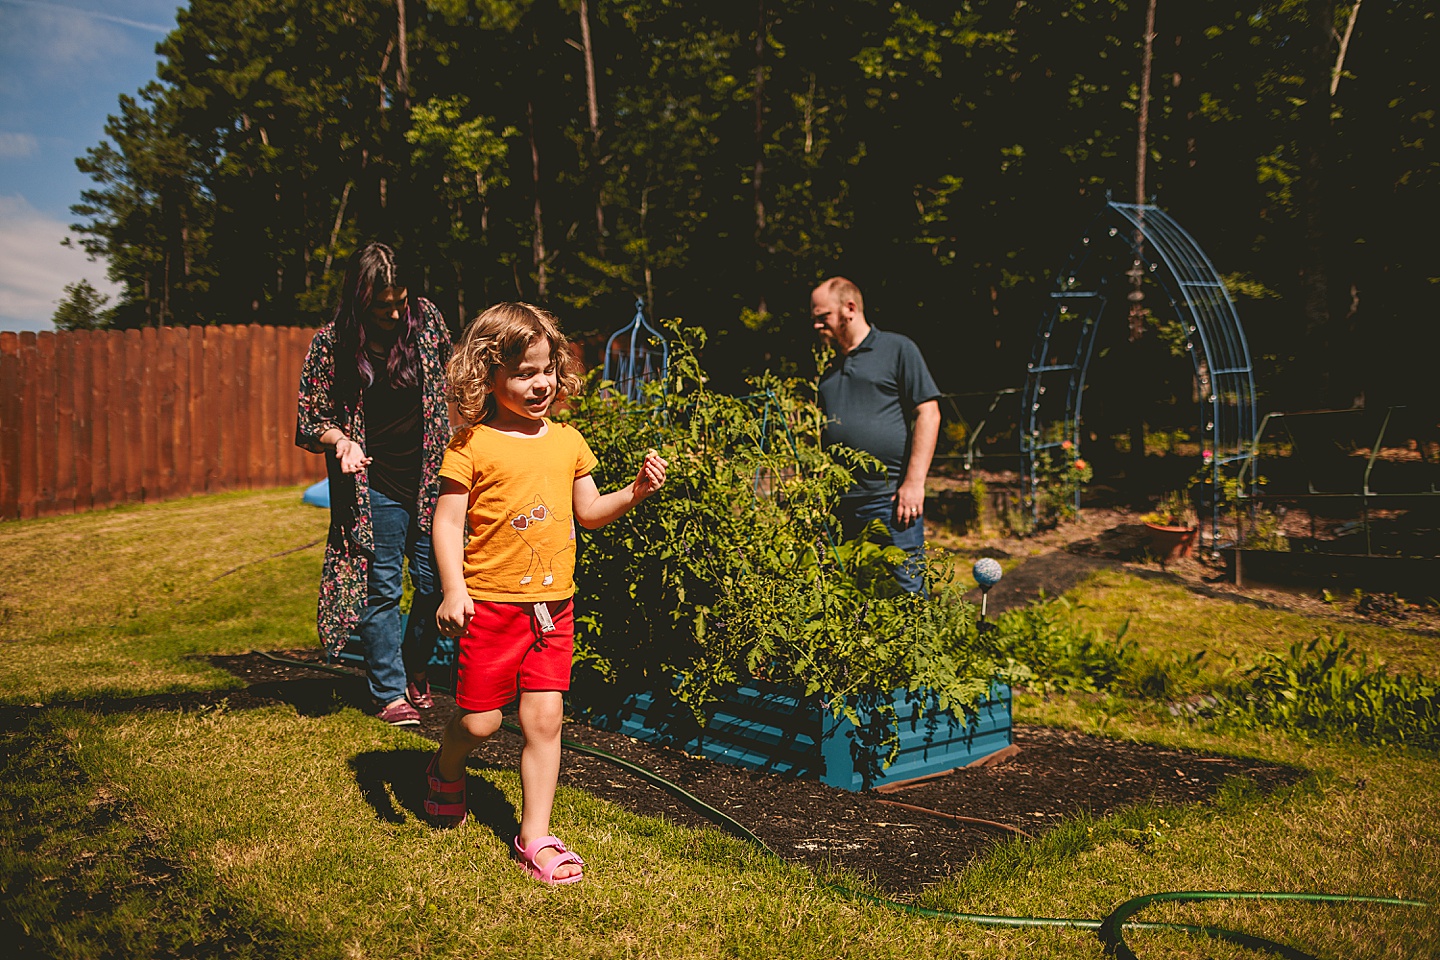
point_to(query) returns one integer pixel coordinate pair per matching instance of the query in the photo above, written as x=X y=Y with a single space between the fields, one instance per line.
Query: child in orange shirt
x=518 y=481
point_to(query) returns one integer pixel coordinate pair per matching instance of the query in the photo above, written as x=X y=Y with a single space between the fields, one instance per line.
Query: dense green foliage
x=1322 y=687
x=1056 y=651
x=735 y=571
x=725 y=156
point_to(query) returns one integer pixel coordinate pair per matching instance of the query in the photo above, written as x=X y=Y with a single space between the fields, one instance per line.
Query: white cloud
x=65 y=10
x=72 y=40
x=15 y=146
x=37 y=267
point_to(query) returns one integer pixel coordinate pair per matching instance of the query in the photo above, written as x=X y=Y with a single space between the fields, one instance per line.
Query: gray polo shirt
x=869 y=396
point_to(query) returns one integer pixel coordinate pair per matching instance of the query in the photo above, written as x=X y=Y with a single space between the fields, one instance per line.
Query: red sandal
x=455 y=810
x=546 y=874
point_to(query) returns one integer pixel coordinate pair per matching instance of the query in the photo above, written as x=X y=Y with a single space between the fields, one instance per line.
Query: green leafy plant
x=735 y=571
x=1173 y=510
x=1046 y=642
x=1018 y=521
x=979 y=499
x=1324 y=687
x=1263 y=532
x=1061 y=477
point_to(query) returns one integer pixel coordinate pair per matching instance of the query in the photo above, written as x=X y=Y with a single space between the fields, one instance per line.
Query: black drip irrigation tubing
x=1110 y=929
x=273 y=556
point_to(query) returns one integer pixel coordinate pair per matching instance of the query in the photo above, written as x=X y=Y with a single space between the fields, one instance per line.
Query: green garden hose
x=1110 y=929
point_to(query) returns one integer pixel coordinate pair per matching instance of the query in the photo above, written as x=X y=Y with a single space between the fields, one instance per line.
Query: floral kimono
x=351 y=544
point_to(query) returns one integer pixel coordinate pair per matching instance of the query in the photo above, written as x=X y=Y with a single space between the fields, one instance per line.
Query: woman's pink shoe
x=453 y=811
x=418 y=693
x=546 y=874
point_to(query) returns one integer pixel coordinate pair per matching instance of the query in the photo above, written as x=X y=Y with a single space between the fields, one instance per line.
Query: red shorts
x=503 y=653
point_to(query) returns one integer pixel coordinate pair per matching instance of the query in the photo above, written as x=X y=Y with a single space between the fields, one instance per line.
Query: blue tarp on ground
x=318 y=495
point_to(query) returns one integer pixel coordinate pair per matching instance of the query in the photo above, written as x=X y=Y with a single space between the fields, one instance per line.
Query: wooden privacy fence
x=94 y=418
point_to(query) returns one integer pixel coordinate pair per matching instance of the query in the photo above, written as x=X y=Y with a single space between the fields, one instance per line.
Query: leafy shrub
x=1061 y=478
x=1264 y=531
x=1163 y=676
x=1381 y=607
x=1045 y=641
x=1173 y=510
x=980 y=499
x=1323 y=687
x=734 y=572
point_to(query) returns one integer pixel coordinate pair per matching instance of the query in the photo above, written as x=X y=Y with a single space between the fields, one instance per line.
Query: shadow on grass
x=309 y=697
x=84 y=878
x=393 y=783
x=1202 y=590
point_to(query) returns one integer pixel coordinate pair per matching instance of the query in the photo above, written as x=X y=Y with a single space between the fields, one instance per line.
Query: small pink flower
x=1079 y=464
x=1066 y=444
x=1208 y=455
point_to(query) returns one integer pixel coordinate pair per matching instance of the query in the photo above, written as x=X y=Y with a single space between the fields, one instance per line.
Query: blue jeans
x=396 y=648
x=856 y=512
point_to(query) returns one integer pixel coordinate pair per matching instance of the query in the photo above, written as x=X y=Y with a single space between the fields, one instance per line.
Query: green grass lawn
x=1166 y=619
x=222 y=832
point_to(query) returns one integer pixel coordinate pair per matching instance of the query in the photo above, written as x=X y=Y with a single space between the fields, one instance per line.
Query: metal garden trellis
x=636 y=354
x=1160 y=247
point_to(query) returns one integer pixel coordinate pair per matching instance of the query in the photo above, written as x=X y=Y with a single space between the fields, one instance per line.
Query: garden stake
x=1110 y=929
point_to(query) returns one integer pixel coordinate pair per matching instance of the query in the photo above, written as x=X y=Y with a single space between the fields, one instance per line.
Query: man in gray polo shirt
x=874 y=386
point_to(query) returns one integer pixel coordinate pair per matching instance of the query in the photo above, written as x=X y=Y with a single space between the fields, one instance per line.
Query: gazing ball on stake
x=987 y=572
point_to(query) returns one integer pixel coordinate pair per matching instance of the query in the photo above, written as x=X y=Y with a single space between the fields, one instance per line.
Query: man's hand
x=909 y=503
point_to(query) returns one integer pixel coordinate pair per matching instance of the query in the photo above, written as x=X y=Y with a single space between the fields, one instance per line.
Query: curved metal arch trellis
x=636 y=354
x=1161 y=248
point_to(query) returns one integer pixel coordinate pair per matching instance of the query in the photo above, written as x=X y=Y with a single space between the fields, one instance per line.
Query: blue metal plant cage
x=1138 y=241
x=635 y=355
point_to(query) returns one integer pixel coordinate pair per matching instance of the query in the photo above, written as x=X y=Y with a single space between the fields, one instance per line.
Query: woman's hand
x=651 y=476
x=454 y=613
x=351 y=455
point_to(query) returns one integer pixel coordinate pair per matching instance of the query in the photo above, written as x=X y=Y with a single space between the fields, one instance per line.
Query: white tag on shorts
x=542 y=614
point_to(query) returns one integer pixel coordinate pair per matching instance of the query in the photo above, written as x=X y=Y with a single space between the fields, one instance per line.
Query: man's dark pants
x=856 y=512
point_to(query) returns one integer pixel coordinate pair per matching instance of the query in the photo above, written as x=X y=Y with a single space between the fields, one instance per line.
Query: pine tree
x=82 y=309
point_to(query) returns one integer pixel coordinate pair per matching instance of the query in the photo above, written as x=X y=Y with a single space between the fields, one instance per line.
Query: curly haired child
x=516 y=482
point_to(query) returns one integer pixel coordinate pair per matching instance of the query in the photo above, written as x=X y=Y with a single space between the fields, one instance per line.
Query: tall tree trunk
x=759 y=170
x=1344 y=48
x=537 y=244
x=645 y=250
x=335 y=228
x=381 y=186
x=164 y=294
x=593 y=102
x=1314 y=139
x=402 y=76
x=1142 y=155
x=1136 y=297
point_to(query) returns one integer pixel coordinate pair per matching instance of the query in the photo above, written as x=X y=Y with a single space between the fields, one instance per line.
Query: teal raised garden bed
x=764 y=726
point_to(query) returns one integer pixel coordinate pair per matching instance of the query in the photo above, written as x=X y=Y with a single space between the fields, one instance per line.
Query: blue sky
x=63 y=65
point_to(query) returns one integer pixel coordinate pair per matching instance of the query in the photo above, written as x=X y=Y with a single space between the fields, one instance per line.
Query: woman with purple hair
x=372 y=400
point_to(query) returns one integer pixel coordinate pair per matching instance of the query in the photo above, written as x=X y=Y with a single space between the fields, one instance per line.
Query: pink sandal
x=546 y=874
x=434 y=808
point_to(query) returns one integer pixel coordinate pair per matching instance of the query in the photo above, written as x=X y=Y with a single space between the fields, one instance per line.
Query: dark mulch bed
x=1053 y=775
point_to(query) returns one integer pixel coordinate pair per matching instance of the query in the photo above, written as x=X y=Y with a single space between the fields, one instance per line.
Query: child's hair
x=499 y=336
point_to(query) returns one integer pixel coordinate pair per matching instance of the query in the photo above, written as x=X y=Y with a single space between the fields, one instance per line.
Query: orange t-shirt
x=520 y=520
